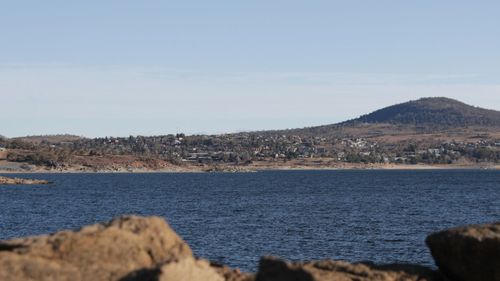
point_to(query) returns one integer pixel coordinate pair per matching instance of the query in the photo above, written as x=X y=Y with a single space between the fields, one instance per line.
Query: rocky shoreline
x=132 y=248
x=9 y=181
x=13 y=167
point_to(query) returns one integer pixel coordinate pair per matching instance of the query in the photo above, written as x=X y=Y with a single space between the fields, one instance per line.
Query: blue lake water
x=383 y=216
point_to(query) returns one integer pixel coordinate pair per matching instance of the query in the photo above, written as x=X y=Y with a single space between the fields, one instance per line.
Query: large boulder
x=126 y=248
x=273 y=269
x=470 y=253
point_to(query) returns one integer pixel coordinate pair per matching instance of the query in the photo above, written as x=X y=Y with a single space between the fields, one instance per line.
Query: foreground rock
x=6 y=180
x=273 y=269
x=128 y=248
x=468 y=253
x=135 y=248
x=230 y=274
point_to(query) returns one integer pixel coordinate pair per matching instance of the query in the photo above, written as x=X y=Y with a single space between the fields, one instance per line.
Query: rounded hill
x=434 y=112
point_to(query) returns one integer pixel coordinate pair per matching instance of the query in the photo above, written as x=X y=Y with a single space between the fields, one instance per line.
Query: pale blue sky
x=99 y=68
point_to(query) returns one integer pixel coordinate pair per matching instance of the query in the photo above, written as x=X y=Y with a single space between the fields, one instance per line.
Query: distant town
x=359 y=142
x=246 y=148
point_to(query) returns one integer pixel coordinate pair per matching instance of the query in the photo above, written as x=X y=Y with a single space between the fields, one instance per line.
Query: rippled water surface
x=383 y=216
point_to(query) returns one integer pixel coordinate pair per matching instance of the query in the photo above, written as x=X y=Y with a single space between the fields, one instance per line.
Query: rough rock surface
x=273 y=269
x=188 y=270
x=469 y=253
x=119 y=250
x=134 y=248
x=231 y=274
x=28 y=268
x=6 y=180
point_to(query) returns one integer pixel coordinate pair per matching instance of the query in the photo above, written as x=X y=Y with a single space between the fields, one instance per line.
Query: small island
x=6 y=180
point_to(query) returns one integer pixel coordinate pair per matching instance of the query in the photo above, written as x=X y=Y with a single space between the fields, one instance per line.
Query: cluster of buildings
x=248 y=147
x=262 y=148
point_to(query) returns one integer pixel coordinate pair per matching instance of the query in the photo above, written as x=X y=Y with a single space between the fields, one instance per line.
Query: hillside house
x=3 y=153
x=199 y=157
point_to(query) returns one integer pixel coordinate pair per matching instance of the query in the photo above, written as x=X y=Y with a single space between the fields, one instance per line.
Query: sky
x=119 y=68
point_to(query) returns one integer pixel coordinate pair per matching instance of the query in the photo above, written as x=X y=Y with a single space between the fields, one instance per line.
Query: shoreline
x=260 y=168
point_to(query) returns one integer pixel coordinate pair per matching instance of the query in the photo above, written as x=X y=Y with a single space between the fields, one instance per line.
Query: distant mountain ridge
x=439 y=111
x=425 y=115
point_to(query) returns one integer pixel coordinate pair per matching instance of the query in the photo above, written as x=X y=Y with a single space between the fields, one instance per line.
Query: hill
x=440 y=112
x=435 y=115
x=49 y=138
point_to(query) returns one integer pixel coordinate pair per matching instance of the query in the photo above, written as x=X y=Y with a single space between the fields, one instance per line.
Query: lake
x=354 y=215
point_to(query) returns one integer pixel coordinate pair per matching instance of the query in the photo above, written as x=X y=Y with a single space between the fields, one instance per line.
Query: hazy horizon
x=120 y=68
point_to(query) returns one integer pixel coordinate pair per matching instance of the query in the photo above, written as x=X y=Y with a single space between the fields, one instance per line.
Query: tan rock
x=189 y=270
x=231 y=274
x=470 y=253
x=22 y=267
x=273 y=269
x=107 y=251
